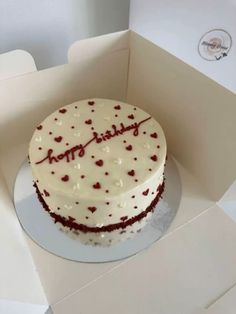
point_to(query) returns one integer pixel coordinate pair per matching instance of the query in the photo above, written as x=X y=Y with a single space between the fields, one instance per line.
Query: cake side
x=75 y=225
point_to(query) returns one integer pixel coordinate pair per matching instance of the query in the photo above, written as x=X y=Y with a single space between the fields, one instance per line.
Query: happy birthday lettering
x=79 y=150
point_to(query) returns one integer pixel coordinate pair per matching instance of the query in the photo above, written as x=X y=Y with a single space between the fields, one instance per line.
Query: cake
x=98 y=165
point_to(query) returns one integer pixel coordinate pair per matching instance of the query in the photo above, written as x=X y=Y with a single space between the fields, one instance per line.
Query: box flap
x=15 y=63
x=183 y=271
x=19 y=283
x=98 y=46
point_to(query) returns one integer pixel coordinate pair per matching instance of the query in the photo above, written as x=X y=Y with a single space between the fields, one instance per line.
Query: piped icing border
x=72 y=224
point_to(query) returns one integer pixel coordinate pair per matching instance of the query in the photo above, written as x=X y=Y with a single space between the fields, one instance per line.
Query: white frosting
x=97 y=188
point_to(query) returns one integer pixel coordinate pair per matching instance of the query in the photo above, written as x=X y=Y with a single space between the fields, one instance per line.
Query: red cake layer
x=72 y=224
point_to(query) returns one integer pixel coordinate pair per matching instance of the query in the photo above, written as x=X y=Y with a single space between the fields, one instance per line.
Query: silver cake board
x=38 y=224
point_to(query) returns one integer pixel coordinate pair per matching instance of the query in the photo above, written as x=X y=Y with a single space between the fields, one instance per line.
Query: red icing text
x=79 y=150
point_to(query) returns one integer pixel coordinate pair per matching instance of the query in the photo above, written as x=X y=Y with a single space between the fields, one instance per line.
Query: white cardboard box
x=192 y=268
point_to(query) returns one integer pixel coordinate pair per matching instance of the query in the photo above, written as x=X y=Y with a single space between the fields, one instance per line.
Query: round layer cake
x=98 y=164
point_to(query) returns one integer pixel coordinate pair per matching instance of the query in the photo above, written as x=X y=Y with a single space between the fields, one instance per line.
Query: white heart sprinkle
x=122 y=205
x=119 y=183
x=38 y=139
x=77 y=114
x=146 y=145
x=118 y=161
x=59 y=123
x=77 y=134
x=107 y=118
x=99 y=225
x=68 y=206
x=106 y=149
x=76 y=187
x=77 y=166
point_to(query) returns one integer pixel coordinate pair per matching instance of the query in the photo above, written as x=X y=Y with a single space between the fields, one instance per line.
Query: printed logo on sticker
x=215 y=45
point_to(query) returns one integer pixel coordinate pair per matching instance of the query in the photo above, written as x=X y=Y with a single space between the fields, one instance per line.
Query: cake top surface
x=97 y=147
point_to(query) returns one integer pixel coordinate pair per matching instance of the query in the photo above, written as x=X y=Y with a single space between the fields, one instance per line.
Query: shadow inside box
x=90 y=247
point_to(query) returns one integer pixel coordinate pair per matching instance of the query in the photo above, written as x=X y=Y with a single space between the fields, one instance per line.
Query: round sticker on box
x=215 y=45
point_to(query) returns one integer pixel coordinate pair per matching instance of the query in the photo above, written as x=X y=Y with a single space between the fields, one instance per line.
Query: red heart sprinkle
x=92 y=209
x=91 y=103
x=65 y=178
x=39 y=127
x=88 y=121
x=118 y=107
x=131 y=173
x=129 y=147
x=124 y=218
x=99 y=163
x=154 y=157
x=154 y=135
x=131 y=116
x=146 y=192
x=98 y=140
x=97 y=185
x=58 y=139
x=62 y=110
x=46 y=193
